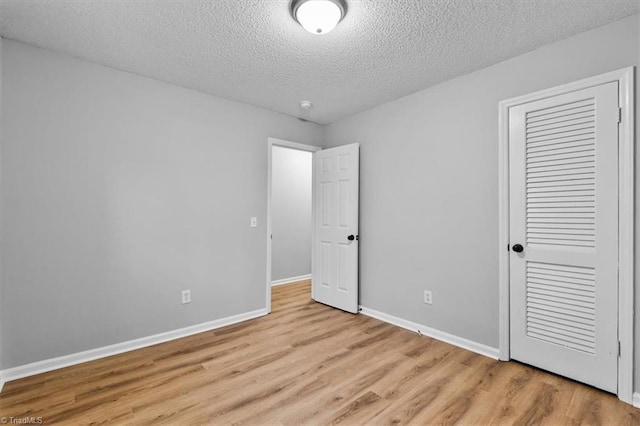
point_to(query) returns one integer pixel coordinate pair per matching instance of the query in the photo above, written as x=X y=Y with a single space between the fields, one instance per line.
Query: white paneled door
x=563 y=156
x=335 y=251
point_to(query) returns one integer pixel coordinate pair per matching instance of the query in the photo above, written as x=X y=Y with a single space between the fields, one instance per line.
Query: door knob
x=351 y=237
x=518 y=248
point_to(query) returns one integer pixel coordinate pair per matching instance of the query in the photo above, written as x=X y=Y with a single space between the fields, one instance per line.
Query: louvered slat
x=560 y=140
x=554 y=151
x=558 y=226
x=561 y=117
x=587 y=108
x=586 y=103
x=559 y=280
x=560 y=122
x=564 y=289
x=564 y=270
x=562 y=329
x=560 y=303
x=560 y=175
x=560 y=204
x=559 y=321
x=536 y=149
x=543 y=191
x=560 y=130
x=552 y=315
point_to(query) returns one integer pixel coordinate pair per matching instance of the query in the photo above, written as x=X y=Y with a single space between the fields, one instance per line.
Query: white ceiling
x=252 y=51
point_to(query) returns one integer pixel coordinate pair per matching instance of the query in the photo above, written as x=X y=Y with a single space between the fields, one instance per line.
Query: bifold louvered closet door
x=563 y=159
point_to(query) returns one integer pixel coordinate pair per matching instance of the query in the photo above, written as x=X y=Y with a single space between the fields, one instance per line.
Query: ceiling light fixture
x=318 y=16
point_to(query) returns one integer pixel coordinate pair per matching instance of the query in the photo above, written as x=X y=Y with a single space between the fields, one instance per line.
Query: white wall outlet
x=428 y=297
x=254 y=222
x=186 y=296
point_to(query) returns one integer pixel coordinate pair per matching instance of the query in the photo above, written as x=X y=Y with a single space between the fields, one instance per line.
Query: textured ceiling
x=252 y=51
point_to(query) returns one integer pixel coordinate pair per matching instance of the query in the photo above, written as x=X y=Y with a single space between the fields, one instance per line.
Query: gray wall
x=291 y=213
x=429 y=184
x=120 y=191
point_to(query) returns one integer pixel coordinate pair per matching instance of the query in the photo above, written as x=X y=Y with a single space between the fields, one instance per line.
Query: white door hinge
x=619 y=115
x=619 y=349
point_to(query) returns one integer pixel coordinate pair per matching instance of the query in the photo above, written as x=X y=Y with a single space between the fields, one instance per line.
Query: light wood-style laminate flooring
x=308 y=364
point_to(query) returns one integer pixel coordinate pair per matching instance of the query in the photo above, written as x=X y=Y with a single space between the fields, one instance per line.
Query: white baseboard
x=636 y=399
x=1 y=380
x=118 y=348
x=290 y=280
x=470 y=345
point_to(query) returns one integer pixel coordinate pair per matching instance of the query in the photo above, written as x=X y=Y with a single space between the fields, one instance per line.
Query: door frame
x=271 y=142
x=626 y=188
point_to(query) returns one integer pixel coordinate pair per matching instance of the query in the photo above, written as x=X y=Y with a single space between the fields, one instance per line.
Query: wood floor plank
x=308 y=364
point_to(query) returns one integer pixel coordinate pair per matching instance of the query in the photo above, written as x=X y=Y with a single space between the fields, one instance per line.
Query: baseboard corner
x=1 y=380
x=636 y=399
x=290 y=280
x=452 y=339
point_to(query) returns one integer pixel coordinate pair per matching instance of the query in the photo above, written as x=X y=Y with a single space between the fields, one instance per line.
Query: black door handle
x=518 y=248
x=351 y=237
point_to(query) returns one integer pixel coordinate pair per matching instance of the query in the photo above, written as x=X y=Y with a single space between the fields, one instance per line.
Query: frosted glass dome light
x=318 y=16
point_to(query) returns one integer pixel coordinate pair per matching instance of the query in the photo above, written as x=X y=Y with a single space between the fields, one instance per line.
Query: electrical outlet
x=428 y=298
x=254 y=222
x=186 y=296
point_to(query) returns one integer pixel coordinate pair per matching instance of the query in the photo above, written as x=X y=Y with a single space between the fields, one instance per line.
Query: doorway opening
x=289 y=214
